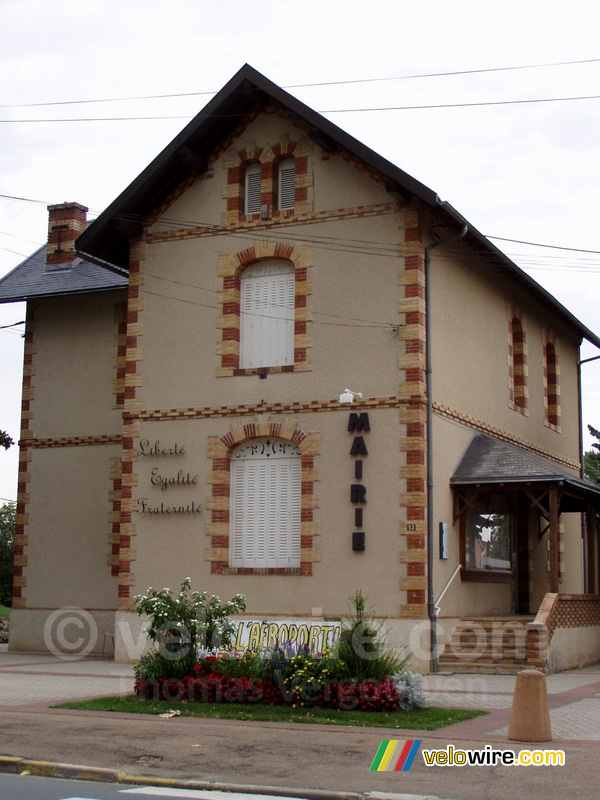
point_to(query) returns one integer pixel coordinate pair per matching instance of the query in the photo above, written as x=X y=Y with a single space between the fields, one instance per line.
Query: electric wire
x=241 y=115
x=452 y=73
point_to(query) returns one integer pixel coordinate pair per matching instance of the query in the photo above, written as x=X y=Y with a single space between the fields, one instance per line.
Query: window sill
x=263 y=370
x=262 y=571
x=485 y=575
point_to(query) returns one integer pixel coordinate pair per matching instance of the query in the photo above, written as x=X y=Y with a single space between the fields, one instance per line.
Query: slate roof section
x=490 y=461
x=31 y=278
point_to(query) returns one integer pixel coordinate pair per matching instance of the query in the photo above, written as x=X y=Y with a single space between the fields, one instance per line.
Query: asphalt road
x=284 y=755
x=17 y=787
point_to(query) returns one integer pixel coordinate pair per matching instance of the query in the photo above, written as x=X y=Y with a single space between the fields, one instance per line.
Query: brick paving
x=39 y=681
x=573 y=698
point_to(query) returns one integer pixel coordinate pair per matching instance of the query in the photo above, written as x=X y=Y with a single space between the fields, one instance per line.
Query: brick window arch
x=232 y=519
x=285 y=186
x=517 y=364
x=551 y=384
x=232 y=267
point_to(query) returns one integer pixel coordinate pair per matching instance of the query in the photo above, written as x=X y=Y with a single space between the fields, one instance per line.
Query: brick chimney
x=65 y=222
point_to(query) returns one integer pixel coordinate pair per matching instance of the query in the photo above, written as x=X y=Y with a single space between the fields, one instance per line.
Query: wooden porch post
x=554 y=554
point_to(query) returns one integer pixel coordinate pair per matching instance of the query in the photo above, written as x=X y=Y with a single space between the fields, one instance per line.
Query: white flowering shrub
x=182 y=624
x=409 y=686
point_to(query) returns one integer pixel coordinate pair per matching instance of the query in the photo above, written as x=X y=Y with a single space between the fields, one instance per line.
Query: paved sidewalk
x=27 y=679
x=38 y=681
x=573 y=697
x=286 y=755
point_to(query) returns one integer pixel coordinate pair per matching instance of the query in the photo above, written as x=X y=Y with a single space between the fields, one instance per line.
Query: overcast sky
x=527 y=171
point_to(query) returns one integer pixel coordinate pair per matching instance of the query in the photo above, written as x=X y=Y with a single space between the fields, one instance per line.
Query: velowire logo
x=395 y=755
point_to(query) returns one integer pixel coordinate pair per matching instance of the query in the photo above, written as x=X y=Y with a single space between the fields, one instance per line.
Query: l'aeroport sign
x=254 y=634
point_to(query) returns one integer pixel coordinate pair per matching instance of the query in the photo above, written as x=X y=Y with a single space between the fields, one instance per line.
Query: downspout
x=584 y=530
x=429 y=439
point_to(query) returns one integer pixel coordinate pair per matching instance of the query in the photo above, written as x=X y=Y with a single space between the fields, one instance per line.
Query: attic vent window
x=252 y=189
x=287 y=184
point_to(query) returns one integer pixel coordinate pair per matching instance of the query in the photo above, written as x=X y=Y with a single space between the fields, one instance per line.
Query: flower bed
x=194 y=661
x=276 y=678
x=369 y=695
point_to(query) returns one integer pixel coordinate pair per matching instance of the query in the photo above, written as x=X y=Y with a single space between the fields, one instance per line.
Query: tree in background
x=8 y=521
x=5 y=440
x=591 y=458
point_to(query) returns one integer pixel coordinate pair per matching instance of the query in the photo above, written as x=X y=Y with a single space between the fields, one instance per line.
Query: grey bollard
x=530 y=715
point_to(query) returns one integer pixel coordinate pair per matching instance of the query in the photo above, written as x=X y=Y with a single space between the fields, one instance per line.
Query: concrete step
x=475 y=668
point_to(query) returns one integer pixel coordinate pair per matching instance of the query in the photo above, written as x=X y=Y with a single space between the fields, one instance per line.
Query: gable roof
x=107 y=238
x=32 y=278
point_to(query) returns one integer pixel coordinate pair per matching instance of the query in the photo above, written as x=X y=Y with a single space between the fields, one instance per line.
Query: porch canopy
x=489 y=464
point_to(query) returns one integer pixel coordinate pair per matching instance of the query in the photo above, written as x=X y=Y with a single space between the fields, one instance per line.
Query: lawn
x=424 y=719
x=4 y=611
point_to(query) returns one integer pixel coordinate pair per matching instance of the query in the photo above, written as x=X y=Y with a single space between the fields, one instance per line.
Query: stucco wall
x=574 y=647
x=69 y=528
x=170 y=547
x=471 y=306
x=75 y=366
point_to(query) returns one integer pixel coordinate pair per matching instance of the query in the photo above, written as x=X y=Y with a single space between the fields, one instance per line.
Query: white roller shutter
x=267 y=314
x=265 y=504
x=252 y=189
x=287 y=184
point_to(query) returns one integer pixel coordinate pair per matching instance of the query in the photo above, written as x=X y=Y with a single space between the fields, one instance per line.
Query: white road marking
x=198 y=794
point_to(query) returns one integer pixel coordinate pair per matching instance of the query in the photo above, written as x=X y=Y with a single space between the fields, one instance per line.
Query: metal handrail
x=445 y=589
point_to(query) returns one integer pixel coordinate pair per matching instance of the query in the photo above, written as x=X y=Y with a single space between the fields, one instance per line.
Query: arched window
x=267 y=301
x=252 y=188
x=518 y=365
x=286 y=184
x=266 y=492
x=552 y=388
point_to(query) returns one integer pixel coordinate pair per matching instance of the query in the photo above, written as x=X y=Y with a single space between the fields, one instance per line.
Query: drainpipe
x=428 y=385
x=584 y=531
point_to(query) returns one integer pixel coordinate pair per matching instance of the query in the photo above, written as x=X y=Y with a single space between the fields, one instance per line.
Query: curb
x=48 y=769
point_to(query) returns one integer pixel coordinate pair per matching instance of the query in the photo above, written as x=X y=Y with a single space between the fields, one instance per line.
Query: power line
x=538 y=244
x=22 y=238
x=367 y=323
x=15 y=252
x=322 y=111
x=416 y=76
x=334 y=243
x=12 y=325
x=23 y=199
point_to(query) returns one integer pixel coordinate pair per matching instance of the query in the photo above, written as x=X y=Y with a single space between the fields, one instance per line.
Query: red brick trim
x=551 y=381
x=309 y=218
x=268 y=155
x=21 y=537
x=309 y=407
x=74 y=441
x=121 y=344
x=559 y=611
x=518 y=390
x=124 y=529
x=413 y=502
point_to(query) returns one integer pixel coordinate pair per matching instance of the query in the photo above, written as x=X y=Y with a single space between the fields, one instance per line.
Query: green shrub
x=362 y=647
